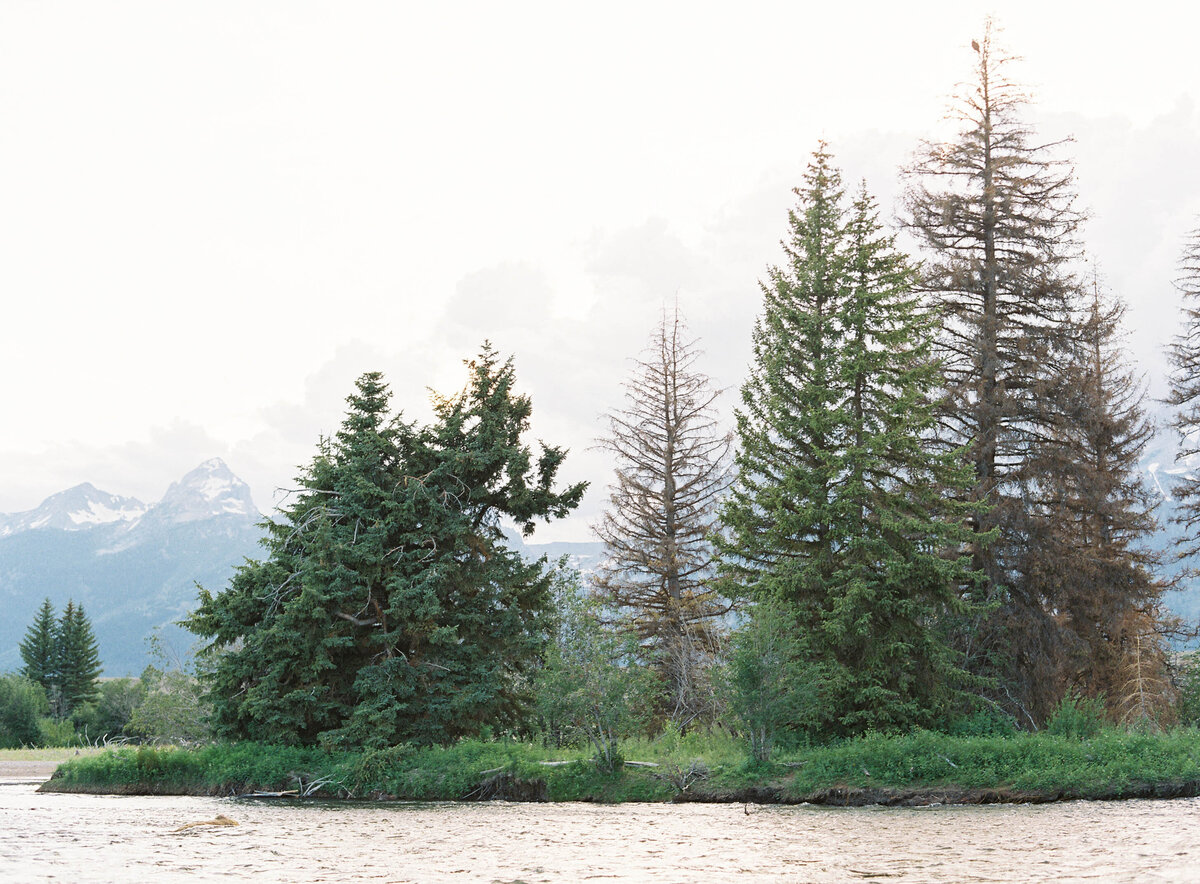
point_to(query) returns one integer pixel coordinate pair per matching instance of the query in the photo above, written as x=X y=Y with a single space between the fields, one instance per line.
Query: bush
x=1076 y=717
x=107 y=718
x=767 y=690
x=983 y=723
x=22 y=706
x=592 y=685
x=56 y=732
x=1186 y=675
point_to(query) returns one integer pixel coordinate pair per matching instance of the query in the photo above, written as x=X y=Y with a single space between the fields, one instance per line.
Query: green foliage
x=107 y=717
x=983 y=723
x=592 y=684
x=766 y=686
x=1186 y=676
x=22 y=706
x=1105 y=766
x=78 y=659
x=1076 y=717
x=388 y=608
x=57 y=732
x=39 y=650
x=63 y=657
x=842 y=512
x=172 y=709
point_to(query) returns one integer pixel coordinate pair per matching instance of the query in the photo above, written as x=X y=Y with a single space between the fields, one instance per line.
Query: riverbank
x=916 y=769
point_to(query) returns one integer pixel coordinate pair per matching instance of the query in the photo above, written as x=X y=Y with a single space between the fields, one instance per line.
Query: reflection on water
x=84 y=838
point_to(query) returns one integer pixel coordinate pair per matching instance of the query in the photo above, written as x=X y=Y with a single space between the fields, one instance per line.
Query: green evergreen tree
x=388 y=607
x=841 y=512
x=39 y=649
x=78 y=659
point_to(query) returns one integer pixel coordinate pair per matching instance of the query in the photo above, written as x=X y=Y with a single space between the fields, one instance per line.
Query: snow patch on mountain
x=79 y=508
x=207 y=491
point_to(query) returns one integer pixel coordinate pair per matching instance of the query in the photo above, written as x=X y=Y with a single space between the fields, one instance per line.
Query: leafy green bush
x=765 y=687
x=1186 y=676
x=22 y=705
x=107 y=718
x=54 y=732
x=983 y=723
x=592 y=685
x=1077 y=717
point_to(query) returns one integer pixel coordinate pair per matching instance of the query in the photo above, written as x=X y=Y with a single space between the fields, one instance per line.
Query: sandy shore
x=25 y=771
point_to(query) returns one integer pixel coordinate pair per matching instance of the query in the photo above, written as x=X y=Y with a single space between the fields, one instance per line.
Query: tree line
x=930 y=508
x=929 y=513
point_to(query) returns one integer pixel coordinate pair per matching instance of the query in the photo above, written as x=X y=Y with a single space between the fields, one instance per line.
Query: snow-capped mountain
x=84 y=506
x=133 y=566
x=207 y=491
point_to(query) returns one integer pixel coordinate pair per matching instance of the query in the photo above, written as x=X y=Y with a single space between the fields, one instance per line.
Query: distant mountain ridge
x=133 y=566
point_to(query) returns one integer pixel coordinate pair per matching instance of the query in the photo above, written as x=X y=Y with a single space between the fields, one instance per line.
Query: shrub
x=766 y=688
x=22 y=705
x=1077 y=717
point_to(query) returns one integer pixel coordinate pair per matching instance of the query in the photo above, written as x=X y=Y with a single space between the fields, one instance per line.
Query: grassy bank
x=917 y=768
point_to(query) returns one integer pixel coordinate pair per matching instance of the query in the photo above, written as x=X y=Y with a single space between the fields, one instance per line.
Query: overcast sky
x=214 y=216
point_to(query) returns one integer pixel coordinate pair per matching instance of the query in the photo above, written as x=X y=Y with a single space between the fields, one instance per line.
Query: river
x=87 y=838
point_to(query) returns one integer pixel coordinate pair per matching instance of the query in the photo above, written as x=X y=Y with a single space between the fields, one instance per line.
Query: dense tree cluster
x=1036 y=393
x=61 y=655
x=933 y=507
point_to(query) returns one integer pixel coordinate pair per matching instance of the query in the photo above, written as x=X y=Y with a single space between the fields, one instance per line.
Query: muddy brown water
x=89 y=838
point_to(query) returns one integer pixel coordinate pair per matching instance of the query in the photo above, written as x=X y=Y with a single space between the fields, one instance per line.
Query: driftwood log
x=219 y=820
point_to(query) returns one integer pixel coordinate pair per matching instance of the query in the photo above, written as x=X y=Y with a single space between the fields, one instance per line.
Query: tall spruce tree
x=39 y=649
x=994 y=210
x=1185 y=398
x=672 y=466
x=78 y=659
x=388 y=608
x=841 y=513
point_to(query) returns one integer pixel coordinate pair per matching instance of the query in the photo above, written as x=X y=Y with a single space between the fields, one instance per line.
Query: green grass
x=1110 y=761
x=711 y=766
x=60 y=754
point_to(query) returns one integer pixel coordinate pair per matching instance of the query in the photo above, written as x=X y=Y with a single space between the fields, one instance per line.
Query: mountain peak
x=77 y=508
x=211 y=489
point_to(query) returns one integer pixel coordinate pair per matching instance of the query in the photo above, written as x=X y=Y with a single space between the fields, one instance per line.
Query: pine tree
x=388 y=608
x=672 y=466
x=1091 y=515
x=840 y=512
x=78 y=659
x=995 y=212
x=1185 y=398
x=39 y=650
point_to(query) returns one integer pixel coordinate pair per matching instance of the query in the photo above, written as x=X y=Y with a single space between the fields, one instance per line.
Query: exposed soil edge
x=836 y=796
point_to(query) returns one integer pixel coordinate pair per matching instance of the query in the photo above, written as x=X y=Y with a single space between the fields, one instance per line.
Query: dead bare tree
x=672 y=468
